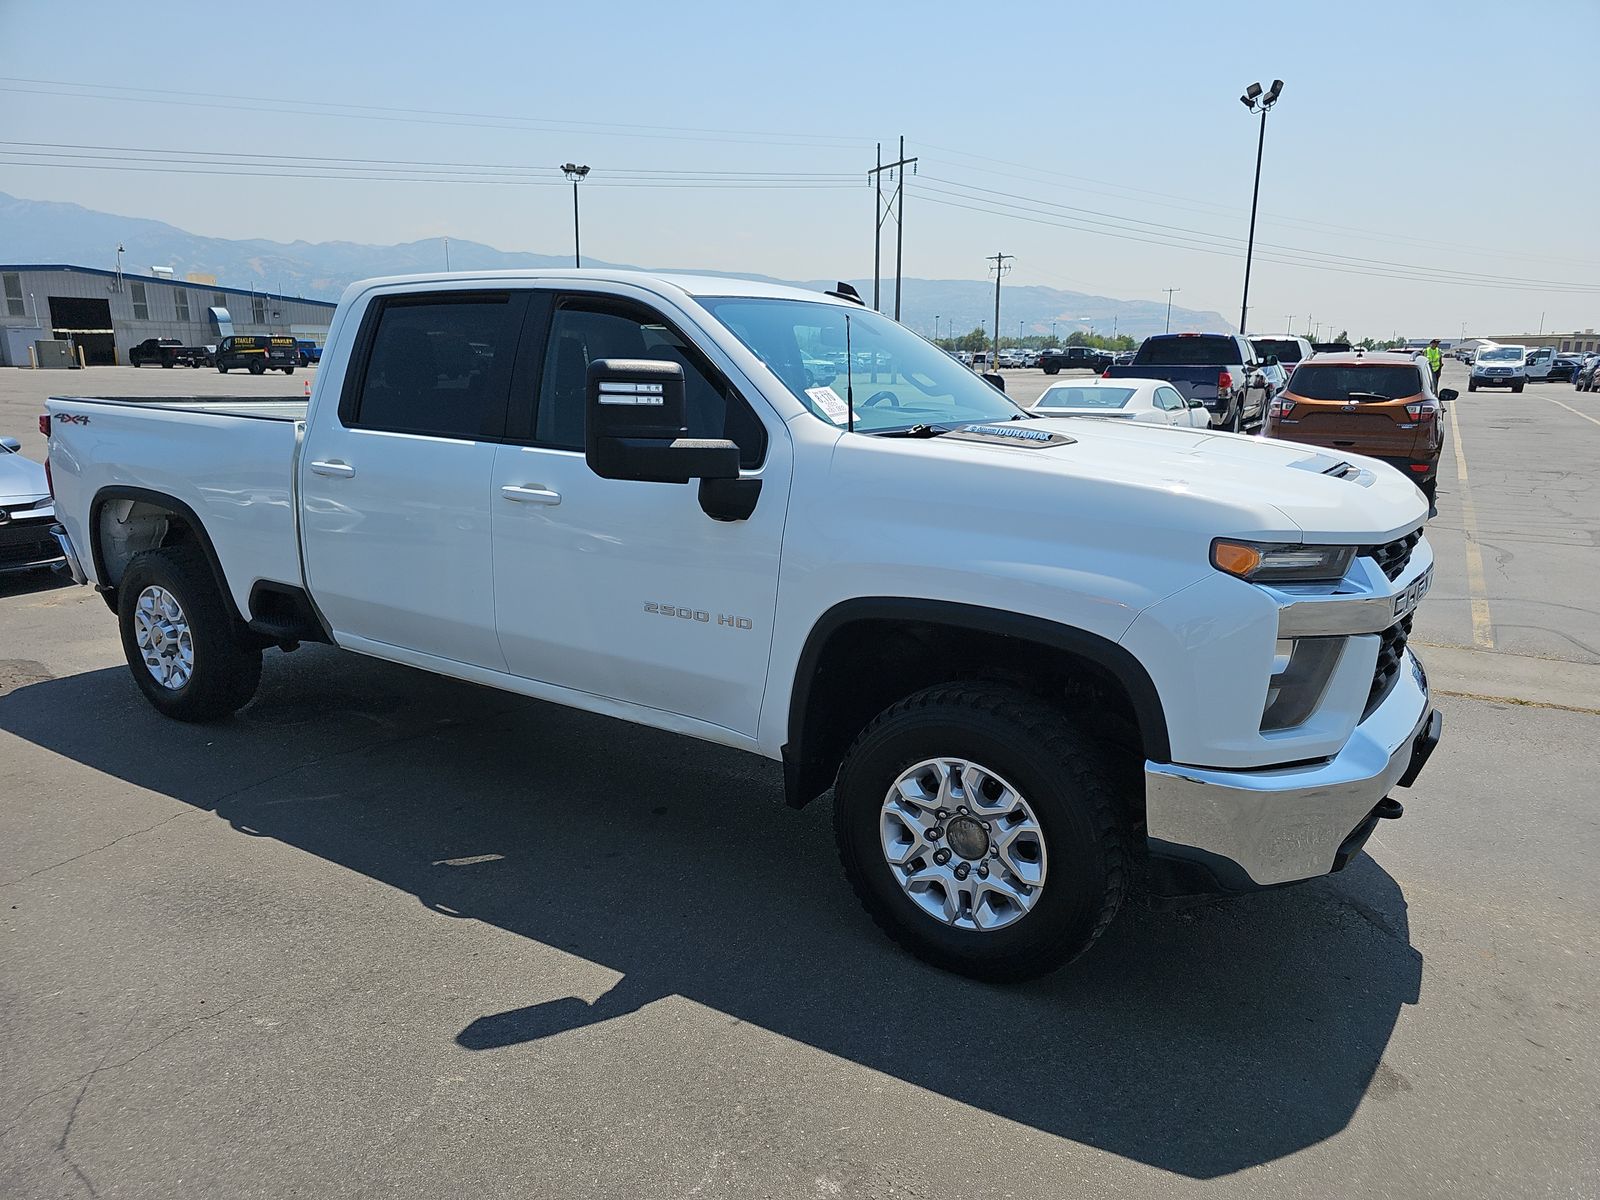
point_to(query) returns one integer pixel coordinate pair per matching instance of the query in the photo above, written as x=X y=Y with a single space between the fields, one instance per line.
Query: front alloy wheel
x=963 y=844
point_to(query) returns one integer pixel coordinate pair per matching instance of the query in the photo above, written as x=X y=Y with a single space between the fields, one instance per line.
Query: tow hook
x=1390 y=809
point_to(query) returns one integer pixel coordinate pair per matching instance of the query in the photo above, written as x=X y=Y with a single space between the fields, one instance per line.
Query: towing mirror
x=636 y=422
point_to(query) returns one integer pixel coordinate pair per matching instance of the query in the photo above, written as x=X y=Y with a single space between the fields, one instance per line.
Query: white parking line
x=1482 y=630
x=1572 y=410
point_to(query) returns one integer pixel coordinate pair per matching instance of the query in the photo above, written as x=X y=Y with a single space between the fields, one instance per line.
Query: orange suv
x=1381 y=405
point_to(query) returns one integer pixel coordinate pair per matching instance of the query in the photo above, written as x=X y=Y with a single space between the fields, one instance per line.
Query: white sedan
x=1149 y=401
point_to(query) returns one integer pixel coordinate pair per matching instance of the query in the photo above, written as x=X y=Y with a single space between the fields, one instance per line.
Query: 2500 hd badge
x=699 y=614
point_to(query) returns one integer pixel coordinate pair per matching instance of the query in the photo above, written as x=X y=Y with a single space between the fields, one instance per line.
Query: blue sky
x=1417 y=147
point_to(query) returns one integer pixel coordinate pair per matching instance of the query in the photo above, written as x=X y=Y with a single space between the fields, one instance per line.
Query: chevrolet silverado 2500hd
x=1032 y=658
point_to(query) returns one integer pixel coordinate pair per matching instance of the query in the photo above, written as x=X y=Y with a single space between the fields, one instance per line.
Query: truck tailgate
x=1192 y=383
x=230 y=462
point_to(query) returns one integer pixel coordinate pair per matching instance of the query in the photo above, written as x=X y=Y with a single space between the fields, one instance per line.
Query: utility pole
x=936 y=327
x=1000 y=271
x=447 y=254
x=577 y=174
x=1288 y=325
x=1169 y=292
x=896 y=207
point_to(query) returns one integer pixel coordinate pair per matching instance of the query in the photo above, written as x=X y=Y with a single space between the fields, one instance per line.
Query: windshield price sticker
x=1412 y=596
x=829 y=401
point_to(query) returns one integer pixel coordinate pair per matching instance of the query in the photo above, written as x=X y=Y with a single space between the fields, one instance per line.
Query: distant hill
x=45 y=231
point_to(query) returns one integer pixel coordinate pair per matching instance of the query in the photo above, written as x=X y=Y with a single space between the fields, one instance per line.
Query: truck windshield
x=1198 y=351
x=1285 y=350
x=1500 y=354
x=1312 y=382
x=900 y=380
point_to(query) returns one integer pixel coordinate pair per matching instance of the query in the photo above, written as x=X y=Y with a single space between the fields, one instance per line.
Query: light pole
x=1256 y=102
x=575 y=173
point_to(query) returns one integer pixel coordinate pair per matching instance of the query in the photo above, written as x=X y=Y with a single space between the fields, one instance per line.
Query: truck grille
x=27 y=542
x=1391 y=654
x=1392 y=557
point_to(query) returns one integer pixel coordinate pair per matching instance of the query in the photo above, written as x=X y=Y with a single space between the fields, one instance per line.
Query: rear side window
x=439 y=364
x=1355 y=382
x=1188 y=352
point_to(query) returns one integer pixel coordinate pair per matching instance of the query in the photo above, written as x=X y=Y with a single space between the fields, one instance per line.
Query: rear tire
x=1237 y=425
x=257 y=369
x=1064 y=829
x=168 y=606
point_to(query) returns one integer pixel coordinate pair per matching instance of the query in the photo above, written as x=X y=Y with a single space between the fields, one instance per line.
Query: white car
x=1151 y=401
x=26 y=513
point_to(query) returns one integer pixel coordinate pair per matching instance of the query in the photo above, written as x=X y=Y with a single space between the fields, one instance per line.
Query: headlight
x=1267 y=562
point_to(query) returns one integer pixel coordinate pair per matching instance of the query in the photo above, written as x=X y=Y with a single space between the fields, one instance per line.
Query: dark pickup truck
x=167 y=352
x=1217 y=369
x=1067 y=358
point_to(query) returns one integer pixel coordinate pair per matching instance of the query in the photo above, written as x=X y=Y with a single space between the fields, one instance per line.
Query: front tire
x=187 y=652
x=1472 y=386
x=980 y=832
x=1517 y=388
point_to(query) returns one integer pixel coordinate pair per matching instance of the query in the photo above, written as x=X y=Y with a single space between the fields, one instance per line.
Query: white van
x=1499 y=366
x=1541 y=361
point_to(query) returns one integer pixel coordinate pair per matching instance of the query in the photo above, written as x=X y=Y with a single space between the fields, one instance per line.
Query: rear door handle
x=333 y=467
x=532 y=494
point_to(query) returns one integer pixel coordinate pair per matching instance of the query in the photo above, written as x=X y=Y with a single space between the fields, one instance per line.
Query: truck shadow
x=1200 y=1043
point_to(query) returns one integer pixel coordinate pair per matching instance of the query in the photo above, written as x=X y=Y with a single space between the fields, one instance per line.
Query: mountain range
x=45 y=231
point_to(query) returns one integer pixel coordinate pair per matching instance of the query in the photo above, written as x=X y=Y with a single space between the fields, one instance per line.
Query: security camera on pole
x=1256 y=102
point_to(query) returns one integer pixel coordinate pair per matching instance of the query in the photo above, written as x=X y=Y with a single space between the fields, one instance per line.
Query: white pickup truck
x=1036 y=660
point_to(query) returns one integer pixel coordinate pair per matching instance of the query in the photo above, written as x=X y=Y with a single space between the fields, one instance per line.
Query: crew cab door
x=395 y=480
x=623 y=589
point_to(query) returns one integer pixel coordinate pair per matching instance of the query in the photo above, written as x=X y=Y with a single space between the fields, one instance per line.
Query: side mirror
x=10 y=445
x=996 y=381
x=1197 y=403
x=635 y=426
x=1258 y=379
x=1448 y=395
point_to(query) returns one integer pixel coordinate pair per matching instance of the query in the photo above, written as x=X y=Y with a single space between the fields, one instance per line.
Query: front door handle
x=531 y=494
x=333 y=467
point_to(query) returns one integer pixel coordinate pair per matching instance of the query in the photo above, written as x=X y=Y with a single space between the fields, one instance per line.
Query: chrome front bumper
x=1255 y=828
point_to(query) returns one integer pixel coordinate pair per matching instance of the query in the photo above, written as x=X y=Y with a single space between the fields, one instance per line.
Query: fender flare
x=202 y=538
x=800 y=769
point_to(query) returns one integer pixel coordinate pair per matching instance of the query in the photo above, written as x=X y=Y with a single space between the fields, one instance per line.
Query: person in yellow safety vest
x=1435 y=362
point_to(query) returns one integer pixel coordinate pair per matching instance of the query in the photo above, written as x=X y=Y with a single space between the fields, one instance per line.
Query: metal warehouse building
x=104 y=313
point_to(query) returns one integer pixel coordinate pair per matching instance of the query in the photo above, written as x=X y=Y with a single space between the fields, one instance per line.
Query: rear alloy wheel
x=257 y=369
x=980 y=832
x=1238 y=418
x=187 y=652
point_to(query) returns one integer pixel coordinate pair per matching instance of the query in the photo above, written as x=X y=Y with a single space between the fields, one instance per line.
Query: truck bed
x=261 y=408
x=230 y=460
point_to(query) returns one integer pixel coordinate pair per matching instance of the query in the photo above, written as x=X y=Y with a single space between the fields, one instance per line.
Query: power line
x=416 y=116
x=1202 y=248
x=1157 y=233
x=1119 y=222
x=62 y=149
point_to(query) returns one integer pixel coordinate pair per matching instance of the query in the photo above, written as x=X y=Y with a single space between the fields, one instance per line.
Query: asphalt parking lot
x=387 y=934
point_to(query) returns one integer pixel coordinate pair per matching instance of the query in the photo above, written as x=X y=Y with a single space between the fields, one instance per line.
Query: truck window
x=439 y=364
x=1199 y=351
x=585 y=329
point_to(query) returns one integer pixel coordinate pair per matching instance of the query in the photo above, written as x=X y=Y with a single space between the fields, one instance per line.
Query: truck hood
x=1299 y=490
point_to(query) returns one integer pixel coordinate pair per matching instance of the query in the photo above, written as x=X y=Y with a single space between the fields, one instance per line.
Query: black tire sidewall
x=225 y=671
x=1064 y=919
